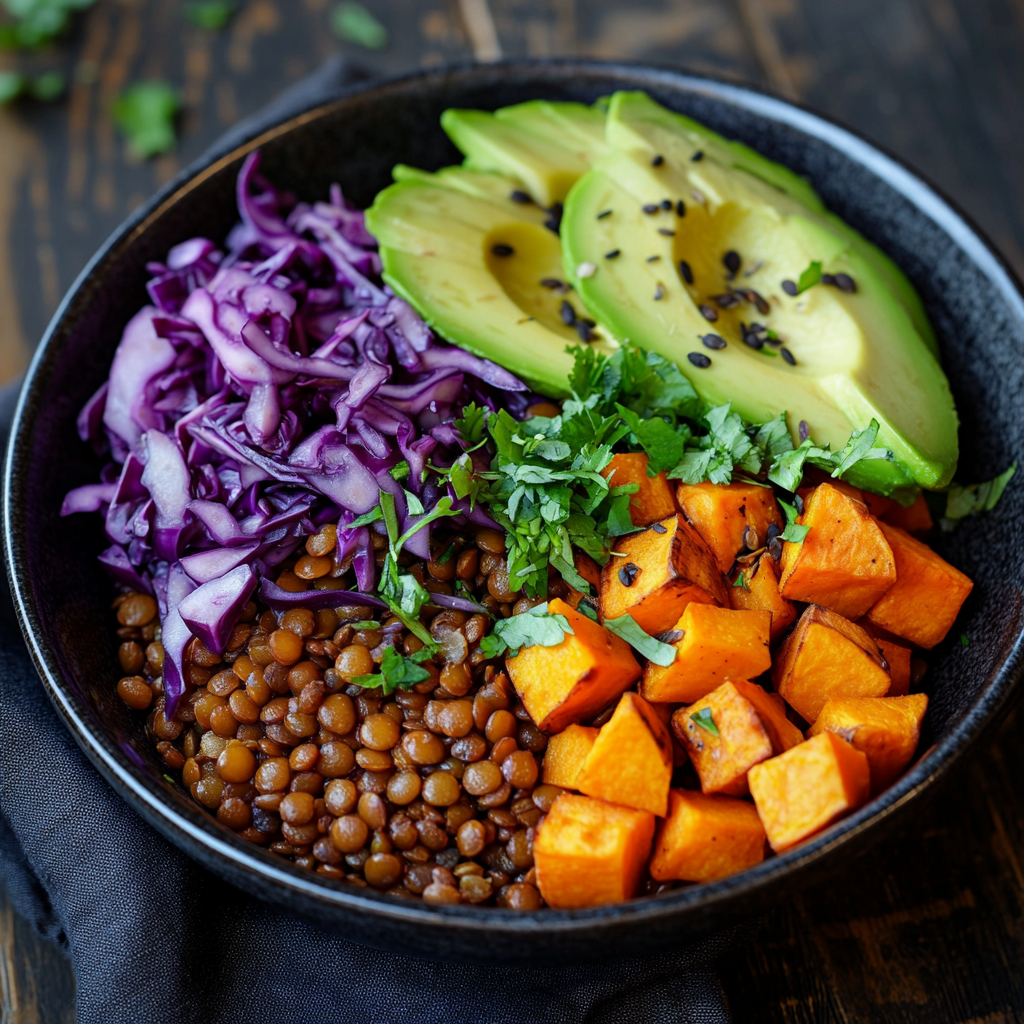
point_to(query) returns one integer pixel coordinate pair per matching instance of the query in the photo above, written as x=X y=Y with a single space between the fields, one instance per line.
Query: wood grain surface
x=925 y=929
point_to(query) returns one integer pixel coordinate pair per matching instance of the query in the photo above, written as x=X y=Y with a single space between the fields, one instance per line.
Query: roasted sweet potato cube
x=656 y=573
x=827 y=656
x=631 y=761
x=715 y=644
x=724 y=513
x=565 y=753
x=844 y=563
x=884 y=729
x=653 y=501
x=706 y=837
x=588 y=852
x=928 y=594
x=772 y=709
x=804 y=493
x=898 y=658
x=808 y=787
x=725 y=736
x=760 y=591
x=576 y=678
x=916 y=518
x=591 y=572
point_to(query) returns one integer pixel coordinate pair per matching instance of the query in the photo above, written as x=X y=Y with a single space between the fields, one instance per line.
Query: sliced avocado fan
x=703 y=252
x=483 y=270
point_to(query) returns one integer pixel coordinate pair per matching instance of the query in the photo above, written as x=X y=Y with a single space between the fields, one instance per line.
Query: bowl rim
x=200 y=836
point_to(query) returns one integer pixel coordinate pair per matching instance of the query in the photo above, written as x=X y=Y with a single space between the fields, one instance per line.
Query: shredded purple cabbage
x=269 y=389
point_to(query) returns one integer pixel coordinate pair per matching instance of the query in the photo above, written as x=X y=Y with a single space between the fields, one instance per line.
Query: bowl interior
x=63 y=596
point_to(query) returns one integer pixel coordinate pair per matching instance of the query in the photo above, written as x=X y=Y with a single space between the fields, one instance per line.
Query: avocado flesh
x=639 y=126
x=858 y=356
x=437 y=235
x=531 y=143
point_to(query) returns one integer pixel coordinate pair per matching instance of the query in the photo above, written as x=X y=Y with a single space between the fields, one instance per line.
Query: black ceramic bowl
x=62 y=597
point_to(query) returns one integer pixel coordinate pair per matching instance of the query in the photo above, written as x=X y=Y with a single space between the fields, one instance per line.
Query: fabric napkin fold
x=154 y=937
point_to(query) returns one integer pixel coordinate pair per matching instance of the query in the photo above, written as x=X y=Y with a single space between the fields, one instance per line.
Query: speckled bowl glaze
x=62 y=596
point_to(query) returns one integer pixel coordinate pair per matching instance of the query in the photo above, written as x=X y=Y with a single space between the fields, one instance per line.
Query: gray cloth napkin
x=153 y=937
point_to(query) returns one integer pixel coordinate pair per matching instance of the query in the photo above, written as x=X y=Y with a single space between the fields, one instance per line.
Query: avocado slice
x=444 y=241
x=545 y=146
x=644 y=129
x=856 y=356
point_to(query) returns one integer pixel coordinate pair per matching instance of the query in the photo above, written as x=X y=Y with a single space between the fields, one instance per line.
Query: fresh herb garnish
x=965 y=640
x=45 y=87
x=810 y=277
x=966 y=501
x=626 y=628
x=794 y=531
x=37 y=21
x=145 y=113
x=212 y=15
x=355 y=24
x=788 y=466
x=536 y=627
x=397 y=671
x=740 y=583
x=704 y=719
x=364 y=624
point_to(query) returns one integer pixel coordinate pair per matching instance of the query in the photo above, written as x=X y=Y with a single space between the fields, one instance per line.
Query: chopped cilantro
x=793 y=532
x=810 y=277
x=965 y=640
x=212 y=15
x=396 y=672
x=355 y=24
x=36 y=22
x=626 y=628
x=364 y=624
x=740 y=583
x=704 y=719
x=966 y=501
x=145 y=113
x=536 y=627
x=788 y=466
x=45 y=87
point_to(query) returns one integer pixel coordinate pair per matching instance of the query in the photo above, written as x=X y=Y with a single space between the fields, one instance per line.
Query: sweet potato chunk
x=631 y=761
x=725 y=736
x=591 y=572
x=565 y=753
x=706 y=837
x=653 y=501
x=722 y=514
x=716 y=644
x=760 y=590
x=844 y=563
x=808 y=787
x=576 y=678
x=884 y=729
x=658 y=573
x=827 y=656
x=928 y=594
x=588 y=852
x=772 y=709
x=898 y=659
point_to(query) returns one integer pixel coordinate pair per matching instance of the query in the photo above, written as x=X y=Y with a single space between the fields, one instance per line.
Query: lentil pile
x=429 y=792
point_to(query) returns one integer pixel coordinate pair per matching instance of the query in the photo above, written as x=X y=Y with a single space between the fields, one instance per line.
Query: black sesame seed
x=804 y=430
x=787 y=355
x=799 y=503
x=653 y=259
x=727 y=300
x=709 y=313
x=657 y=161
x=521 y=197
x=775 y=549
x=667 y=232
x=628 y=574
x=680 y=208
x=773 y=532
x=828 y=279
x=756 y=328
x=659 y=293
x=698 y=156
x=658 y=528
x=732 y=261
x=551 y=282
x=845 y=283
x=583 y=330
x=666 y=204
x=699 y=359
x=567 y=313
x=759 y=301
x=612 y=255
x=684 y=269
x=713 y=340
x=501 y=249
x=671 y=636
x=790 y=288
x=603 y=214
x=585 y=320
x=749 y=338
x=650 y=208
x=554 y=220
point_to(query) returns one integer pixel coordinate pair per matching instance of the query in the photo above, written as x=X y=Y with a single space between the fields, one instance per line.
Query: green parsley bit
x=704 y=719
x=145 y=113
x=353 y=23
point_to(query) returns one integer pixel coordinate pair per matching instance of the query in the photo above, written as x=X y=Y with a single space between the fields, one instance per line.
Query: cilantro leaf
x=625 y=627
x=212 y=15
x=37 y=21
x=662 y=443
x=396 y=672
x=705 y=720
x=536 y=627
x=788 y=466
x=965 y=640
x=353 y=23
x=794 y=531
x=145 y=113
x=809 y=277
x=472 y=425
x=966 y=501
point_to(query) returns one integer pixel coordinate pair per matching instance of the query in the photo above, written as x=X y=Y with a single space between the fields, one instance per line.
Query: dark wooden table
x=927 y=928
